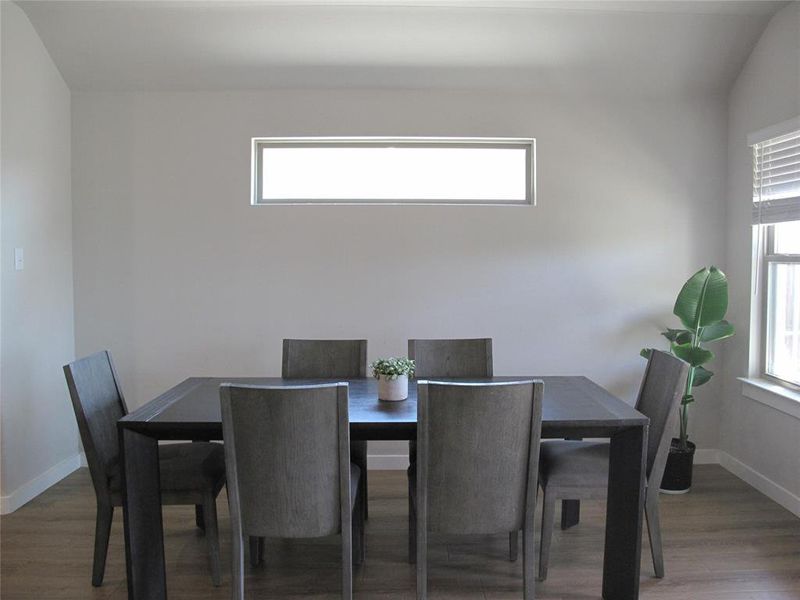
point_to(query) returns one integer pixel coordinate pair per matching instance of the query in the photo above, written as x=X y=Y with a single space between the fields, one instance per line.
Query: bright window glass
x=787 y=238
x=397 y=171
x=783 y=303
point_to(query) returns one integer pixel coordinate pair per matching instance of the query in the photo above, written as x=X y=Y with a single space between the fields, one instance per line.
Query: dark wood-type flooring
x=723 y=541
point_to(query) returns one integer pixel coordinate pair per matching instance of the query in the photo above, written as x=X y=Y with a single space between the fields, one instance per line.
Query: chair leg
x=256 y=550
x=528 y=560
x=212 y=536
x=237 y=564
x=358 y=455
x=364 y=531
x=358 y=531
x=412 y=529
x=199 y=519
x=513 y=545
x=651 y=512
x=102 y=530
x=421 y=559
x=347 y=563
x=570 y=513
x=548 y=519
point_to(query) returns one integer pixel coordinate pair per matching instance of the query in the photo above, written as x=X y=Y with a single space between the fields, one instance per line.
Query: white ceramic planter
x=393 y=390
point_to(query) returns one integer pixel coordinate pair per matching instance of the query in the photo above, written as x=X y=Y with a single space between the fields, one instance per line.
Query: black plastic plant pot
x=678 y=473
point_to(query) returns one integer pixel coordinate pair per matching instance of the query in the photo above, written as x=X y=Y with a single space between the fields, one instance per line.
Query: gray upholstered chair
x=452 y=358
x=325 y=359
x=446 y=358
x=477 y=465
x=190 y=473
x=287 y=453
x=576 y=470
x=330 y=359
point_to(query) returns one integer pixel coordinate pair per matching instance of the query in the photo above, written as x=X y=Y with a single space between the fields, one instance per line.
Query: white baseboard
x=763 y=484
x=706 y=456
x=387 y=462
x=28 y=491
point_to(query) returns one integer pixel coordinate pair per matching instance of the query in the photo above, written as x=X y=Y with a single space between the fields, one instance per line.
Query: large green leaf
x=701 y=376
x=703 y=299
x=678 y=336
x=692 y=354
x=645 y=353
x=716 y=331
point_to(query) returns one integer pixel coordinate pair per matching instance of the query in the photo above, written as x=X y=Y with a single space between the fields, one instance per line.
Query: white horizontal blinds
x=776 y=179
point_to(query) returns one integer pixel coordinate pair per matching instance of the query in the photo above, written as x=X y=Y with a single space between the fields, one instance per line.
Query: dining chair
x=451 y=358
x=577 y=470
x=477 y=465
x=445 y=358
x=325 y=359
x=330 y=359
x=191 y=473
x=287 y=454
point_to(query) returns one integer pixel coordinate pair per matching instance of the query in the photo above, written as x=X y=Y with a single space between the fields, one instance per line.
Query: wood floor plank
x=723 y=541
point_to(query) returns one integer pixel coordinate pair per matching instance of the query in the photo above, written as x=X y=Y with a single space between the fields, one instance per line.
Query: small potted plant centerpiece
x=701 y=306
x=392 y=375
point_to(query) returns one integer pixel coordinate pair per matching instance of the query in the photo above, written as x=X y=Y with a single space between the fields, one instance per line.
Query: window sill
x=772 y=394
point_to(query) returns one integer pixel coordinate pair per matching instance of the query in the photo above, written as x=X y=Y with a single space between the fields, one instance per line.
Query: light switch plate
x=19 y=259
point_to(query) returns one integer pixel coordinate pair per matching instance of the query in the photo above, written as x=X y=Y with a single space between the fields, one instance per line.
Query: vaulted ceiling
x=629 y=47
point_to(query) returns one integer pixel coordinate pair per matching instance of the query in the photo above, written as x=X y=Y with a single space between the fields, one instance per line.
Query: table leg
x=144 y=534
x=570 y=509
x=199 y=516
x=626 y=482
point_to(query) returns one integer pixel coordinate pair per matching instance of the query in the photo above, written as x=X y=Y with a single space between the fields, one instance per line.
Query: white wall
x=39 y=436
x=767 y=92
x=178 y=275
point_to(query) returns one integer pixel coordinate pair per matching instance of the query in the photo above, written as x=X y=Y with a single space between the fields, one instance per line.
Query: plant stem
x=684 y=435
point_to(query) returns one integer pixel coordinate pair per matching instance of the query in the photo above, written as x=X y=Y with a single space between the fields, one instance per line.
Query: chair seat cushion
x=567 y=463
x=198 y=466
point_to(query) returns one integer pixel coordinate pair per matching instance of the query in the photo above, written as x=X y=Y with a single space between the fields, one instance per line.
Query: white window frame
x=763 y=257
x=258 y=143
x=768 y=257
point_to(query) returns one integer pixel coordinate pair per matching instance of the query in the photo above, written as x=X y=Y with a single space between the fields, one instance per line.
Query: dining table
x=573 y=407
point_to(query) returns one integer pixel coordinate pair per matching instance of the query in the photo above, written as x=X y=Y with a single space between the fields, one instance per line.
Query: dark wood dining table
x=573 y=407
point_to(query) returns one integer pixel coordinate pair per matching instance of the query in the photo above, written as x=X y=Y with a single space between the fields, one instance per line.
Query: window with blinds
x=776 y=216
x=776 y=179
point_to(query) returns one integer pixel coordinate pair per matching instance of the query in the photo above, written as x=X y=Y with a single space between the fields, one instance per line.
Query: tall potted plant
x=701 y=306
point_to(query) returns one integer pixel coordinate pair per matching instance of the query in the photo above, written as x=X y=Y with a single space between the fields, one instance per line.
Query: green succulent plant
x=701 y=306
x=392 y=368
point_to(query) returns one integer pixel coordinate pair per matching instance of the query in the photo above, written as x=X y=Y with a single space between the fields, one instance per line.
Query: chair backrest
x=452 y=358
x=659 y=397
x=478 y=451
x=98 y=404
x=287 y=457
x=324 y=359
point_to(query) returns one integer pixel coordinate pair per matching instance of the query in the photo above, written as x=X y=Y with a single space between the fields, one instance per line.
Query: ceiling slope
x=628 y=47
